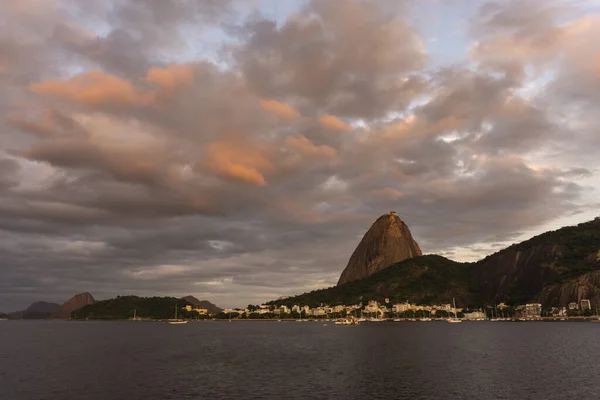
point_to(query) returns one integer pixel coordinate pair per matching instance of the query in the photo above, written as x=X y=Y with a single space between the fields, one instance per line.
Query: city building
x=202 y=311
x=338 y=309
x=372 y=307
x=585 y=304
x=475 y=316
x=400 y=307
x=533 y=310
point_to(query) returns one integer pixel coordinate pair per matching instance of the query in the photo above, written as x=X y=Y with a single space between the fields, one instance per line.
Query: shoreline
x=541 y=319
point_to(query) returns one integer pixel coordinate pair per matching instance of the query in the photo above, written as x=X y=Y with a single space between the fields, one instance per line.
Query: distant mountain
x=429 y=279
x=387 y=241
x=74 y=303
x=122 y=307
x=37 y=310
x=43 y=307
x=213 y=309
x=554 y=268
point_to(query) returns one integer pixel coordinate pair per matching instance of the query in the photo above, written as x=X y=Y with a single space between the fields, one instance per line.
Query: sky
x=238 y=150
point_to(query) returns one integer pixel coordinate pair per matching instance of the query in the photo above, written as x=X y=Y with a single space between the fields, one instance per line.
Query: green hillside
x=121 y=307
x=522 y=271
x=429 y=279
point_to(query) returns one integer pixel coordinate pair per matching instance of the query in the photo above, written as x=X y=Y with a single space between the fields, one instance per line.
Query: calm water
x=289 y=360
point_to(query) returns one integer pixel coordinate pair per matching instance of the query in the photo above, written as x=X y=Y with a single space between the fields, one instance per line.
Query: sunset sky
x=238 y=150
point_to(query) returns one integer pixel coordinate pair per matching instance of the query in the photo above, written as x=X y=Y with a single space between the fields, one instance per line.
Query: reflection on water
x=217 y=360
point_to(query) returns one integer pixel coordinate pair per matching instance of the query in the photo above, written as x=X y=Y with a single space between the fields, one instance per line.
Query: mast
x=175 y=311
x=454 y=303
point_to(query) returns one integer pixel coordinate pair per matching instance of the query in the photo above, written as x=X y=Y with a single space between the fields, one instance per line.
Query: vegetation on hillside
x=426 y=279
x=121 y=307
x=575 y=250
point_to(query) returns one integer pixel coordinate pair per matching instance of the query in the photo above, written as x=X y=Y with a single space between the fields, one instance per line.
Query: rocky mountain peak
x=75 y=303
x=388 y=241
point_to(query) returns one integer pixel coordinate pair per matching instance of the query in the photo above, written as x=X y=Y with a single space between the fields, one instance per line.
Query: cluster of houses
x=381 y=310
x=371 y=308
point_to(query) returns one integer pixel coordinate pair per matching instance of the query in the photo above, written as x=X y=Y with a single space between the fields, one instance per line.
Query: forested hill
x=121 y=307
x=523 y=271
x=429 y=279
x=554 y=268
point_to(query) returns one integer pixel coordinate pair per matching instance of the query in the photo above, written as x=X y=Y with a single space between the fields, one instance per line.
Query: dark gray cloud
x=125 y=168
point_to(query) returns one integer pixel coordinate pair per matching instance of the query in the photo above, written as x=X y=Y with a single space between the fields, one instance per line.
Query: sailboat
x=455 y=319
x=176 y=321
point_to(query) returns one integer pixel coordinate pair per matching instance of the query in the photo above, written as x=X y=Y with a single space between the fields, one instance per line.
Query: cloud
x=91 y=88
x=155 y=147
x=305 y=146
x=237 y=161
x=279 y=109
x=334 y=123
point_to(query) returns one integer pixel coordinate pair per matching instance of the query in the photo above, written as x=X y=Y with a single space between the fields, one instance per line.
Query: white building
x=372 y=307
x=585 y=304
x=475 y=316
x=400 y=307
x=338 y=309
x=533 y=310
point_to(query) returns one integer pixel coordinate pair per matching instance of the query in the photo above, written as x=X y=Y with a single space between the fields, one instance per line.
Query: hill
x=429 y=279
x=74 y=303
x=37 y=310
x=212 y=309
x=542 y=265
x=554 y=268
x=121 y=307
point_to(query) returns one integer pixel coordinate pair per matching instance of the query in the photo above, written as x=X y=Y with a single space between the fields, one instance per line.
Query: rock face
x=517 y=274
x=213 y=309
x=586 y=286
x=74 y=303
x=388 y=241
x=552 y=268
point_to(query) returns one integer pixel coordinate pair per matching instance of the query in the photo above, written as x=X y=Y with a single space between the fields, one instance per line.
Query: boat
x=176 y=321
x=454 y=320
x=347 y=321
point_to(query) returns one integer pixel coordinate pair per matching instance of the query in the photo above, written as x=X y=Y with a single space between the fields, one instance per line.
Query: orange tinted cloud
x=305 y=146
x=238 y=162
x=171 y=77
x=333 y=122
x=282 y=110
x=90 y=88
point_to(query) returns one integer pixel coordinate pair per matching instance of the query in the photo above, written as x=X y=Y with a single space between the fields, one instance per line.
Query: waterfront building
x=533 y=310
x=372 y=307
x=585 y=304
x=338 y=309
x=400 y=307
x=202 y=311
x=475 y=316
x=319 y=311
